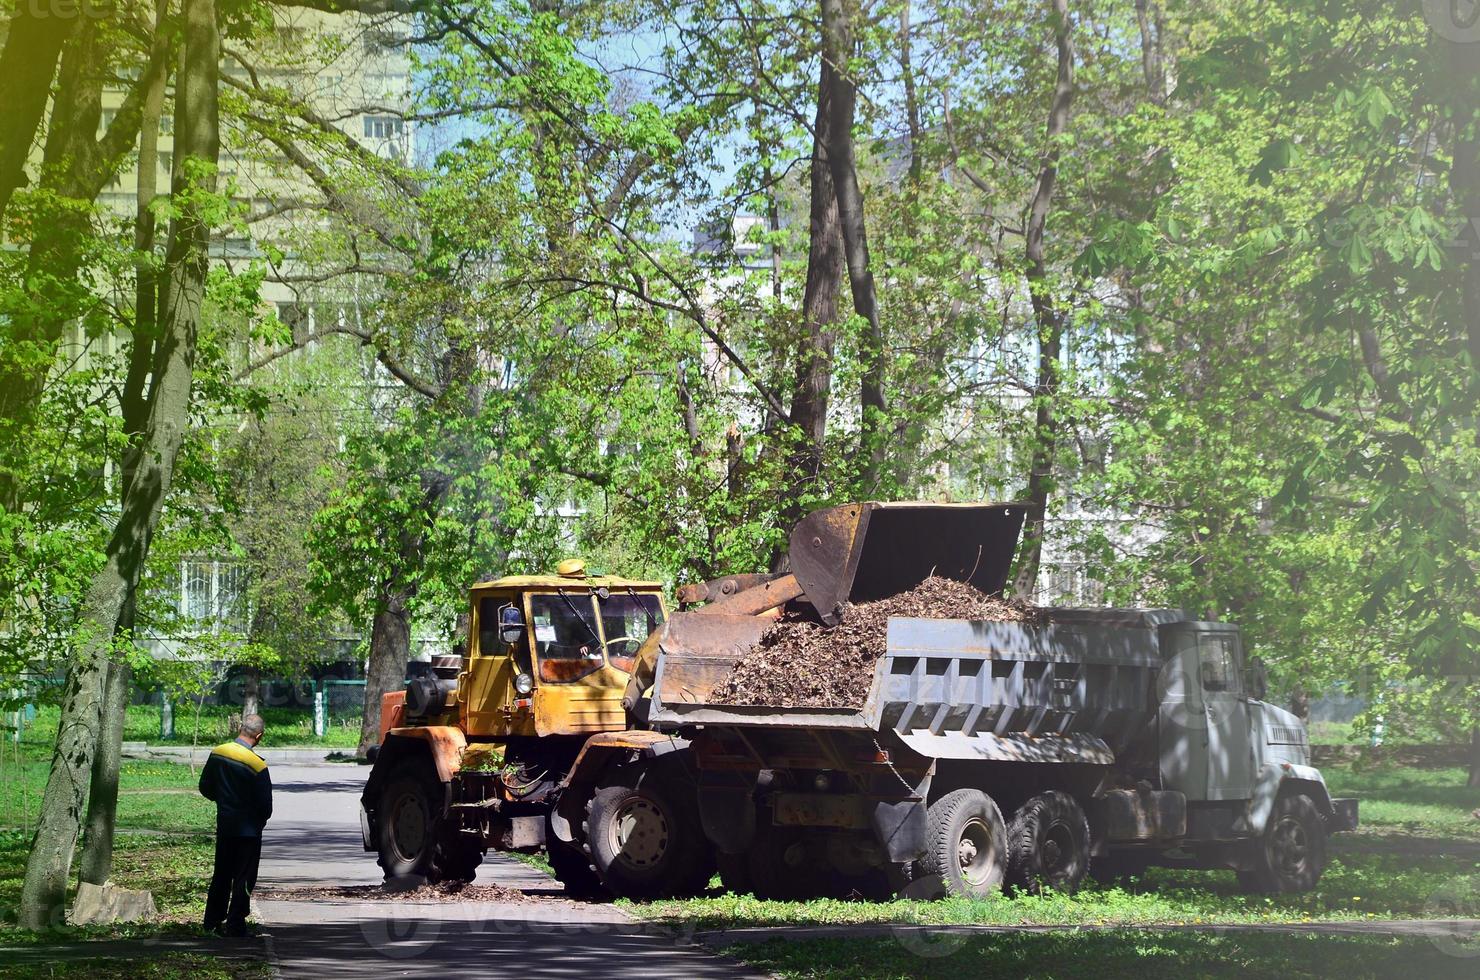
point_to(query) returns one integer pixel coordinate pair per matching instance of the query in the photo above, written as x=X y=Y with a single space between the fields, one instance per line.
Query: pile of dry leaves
x=801 y=663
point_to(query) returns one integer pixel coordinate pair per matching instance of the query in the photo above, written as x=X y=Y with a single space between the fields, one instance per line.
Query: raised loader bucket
x=871 y=550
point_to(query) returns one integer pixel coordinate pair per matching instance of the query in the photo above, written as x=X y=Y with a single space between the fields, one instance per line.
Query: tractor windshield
x=565 y=640
x=627 y=618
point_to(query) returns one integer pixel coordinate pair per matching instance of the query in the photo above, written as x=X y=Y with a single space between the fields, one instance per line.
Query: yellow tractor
x=474 y=749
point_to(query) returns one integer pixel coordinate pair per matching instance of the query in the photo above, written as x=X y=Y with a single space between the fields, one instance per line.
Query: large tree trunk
x=837 y=49
x=197 y=140
x=27 y=66
x=102 y=800
x=1047 y=315
x=390 y=648
x=813 y=383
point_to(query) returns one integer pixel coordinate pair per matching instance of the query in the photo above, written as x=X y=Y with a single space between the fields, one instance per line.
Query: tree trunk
x=1047 y=316
x=27 y=66
x=837 y=48
x=809 y=398
x=197 y=138
x=102 y=797
x=76 y=166
x=1474 y=781
x=1150 y=21
x=251 y=690
x=390 y=648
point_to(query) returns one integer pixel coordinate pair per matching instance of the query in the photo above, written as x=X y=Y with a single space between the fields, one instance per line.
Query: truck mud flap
x=900 y=829
x=1343 y=815
x=727 y=810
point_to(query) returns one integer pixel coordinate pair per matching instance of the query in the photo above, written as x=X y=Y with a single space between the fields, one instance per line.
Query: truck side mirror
x=1256 y=681
x=511 y=634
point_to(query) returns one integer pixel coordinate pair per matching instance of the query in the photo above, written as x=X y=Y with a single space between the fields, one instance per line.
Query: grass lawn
x=285 y=726
x=1129 y=954
x=152 y=795
x=1397 y=866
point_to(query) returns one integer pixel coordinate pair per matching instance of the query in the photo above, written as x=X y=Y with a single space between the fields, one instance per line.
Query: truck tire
x=1290 y=856
x=414 y=837
x=965 y=846
x=645 y=840
x=1048 y=844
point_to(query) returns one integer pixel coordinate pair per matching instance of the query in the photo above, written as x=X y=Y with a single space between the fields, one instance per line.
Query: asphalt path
x=313 y=839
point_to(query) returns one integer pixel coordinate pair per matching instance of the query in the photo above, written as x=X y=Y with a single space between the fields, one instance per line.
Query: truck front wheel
x=645 y=841
x=965 y=845
x=1048 y=844
x=1291 y=855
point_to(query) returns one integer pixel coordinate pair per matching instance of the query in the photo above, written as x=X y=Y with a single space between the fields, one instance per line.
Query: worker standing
x=235 y=778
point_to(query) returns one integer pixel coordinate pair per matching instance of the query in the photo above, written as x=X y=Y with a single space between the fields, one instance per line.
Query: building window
x=383 y=127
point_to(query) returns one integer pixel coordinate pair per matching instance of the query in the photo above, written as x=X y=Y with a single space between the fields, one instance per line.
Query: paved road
x=314 y=839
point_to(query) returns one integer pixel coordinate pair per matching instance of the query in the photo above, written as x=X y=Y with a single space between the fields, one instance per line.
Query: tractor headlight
x=523 y=683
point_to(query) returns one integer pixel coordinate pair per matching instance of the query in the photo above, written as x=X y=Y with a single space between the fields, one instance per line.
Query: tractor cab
x=551 y=654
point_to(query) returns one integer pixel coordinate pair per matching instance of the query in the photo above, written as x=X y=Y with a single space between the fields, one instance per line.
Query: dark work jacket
x=236 y=779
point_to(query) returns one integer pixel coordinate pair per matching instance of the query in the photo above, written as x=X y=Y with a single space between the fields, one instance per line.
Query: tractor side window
x=1219 y=656
x=565 y=639
x=488 y=639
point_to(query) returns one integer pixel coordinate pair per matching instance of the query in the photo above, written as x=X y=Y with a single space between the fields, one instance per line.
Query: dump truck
x=475 y=748
x=985 y=754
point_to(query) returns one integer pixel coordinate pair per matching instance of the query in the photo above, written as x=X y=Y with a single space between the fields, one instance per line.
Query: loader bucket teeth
x=859 y=552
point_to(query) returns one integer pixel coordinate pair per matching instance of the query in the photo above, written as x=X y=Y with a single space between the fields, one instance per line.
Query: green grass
x=159 y=966
x=1129 y=954
x=1417 y=802
x=152 y=795
x=285 y=726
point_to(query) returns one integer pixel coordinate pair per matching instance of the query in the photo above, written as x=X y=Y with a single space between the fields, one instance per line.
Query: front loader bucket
x=871 y=550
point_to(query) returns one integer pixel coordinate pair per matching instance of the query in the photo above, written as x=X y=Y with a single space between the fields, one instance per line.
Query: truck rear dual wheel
x=1048 y=844
x=1291 y=854
x=644 y=837
x=965 y=846
x=573 y=869
x=415 y=838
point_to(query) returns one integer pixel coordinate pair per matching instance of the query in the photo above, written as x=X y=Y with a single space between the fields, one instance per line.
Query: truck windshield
x=564 y=637
x=627 y=619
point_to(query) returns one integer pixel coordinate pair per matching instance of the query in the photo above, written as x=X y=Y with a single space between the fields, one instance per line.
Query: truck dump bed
x=1081 y=687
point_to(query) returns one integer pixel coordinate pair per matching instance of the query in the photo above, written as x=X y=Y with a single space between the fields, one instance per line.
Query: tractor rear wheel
x=644 y=836
x=415 y=838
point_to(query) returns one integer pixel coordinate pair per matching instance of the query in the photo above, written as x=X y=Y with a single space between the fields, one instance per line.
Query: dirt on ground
x=802 y=663
x=446 y=891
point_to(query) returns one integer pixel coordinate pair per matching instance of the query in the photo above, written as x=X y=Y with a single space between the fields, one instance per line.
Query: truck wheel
x=457 y=857
x=1048 y=844
x=1291 y=855
x=965 y=845
x=645 y=842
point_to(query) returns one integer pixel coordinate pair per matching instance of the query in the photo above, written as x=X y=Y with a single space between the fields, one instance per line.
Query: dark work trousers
x=232 y=883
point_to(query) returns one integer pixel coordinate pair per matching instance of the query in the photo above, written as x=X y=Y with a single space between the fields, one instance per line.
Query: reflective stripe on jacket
x=236 y=779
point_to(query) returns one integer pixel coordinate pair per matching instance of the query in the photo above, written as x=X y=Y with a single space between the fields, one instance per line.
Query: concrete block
x=101 y=904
